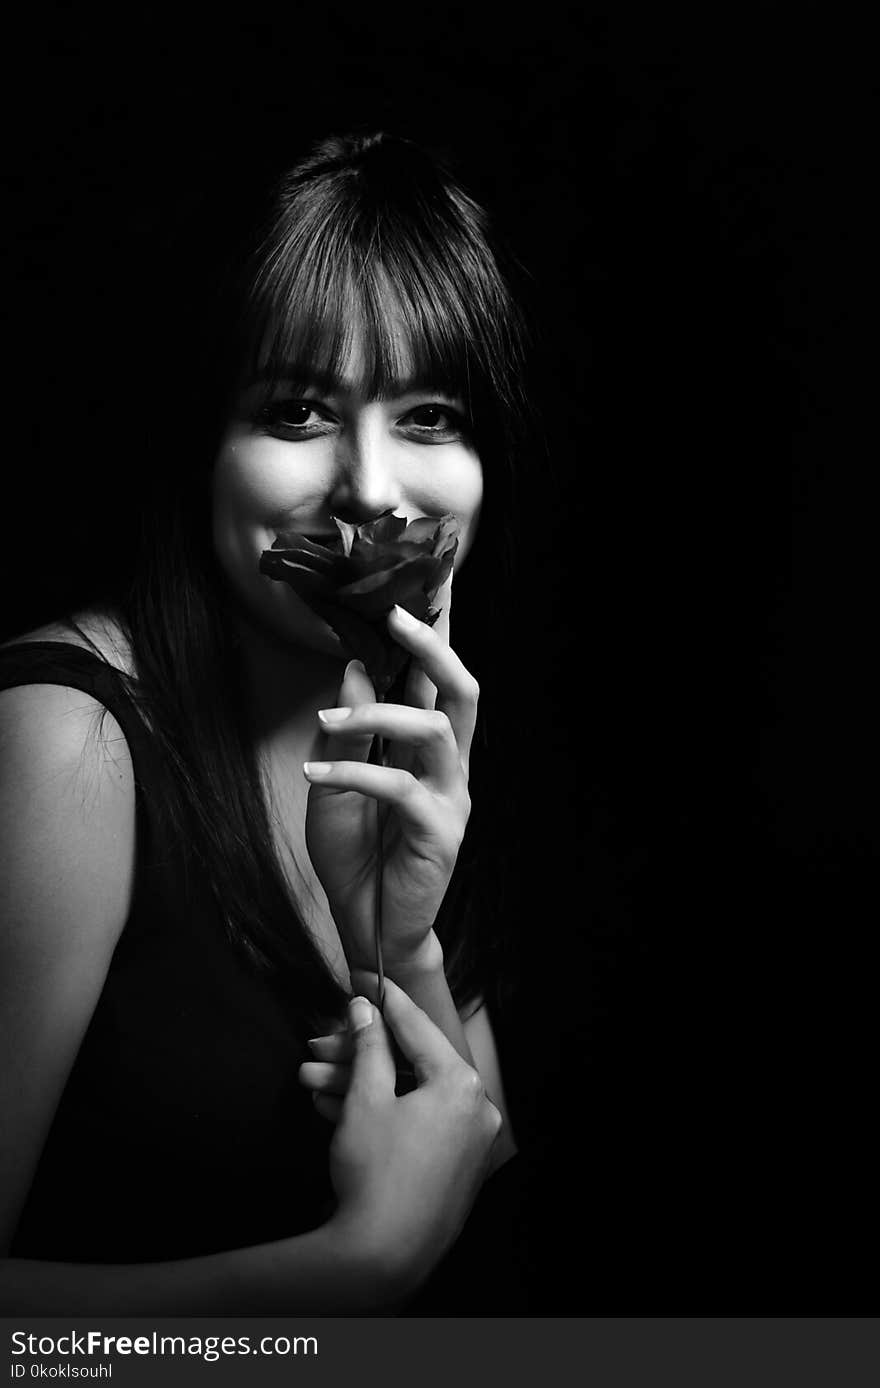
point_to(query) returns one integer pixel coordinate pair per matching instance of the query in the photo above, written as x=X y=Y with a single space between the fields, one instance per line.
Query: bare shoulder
x=58 y=734
x=96 y=629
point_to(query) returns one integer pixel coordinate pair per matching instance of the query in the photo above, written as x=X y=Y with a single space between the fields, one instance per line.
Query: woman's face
x=324 y=450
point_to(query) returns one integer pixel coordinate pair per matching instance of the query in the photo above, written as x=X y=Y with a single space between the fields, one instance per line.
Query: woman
x=189 y=811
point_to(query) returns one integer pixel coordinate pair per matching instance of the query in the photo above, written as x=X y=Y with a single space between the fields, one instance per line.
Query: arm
x=66 y=874
x=67 y=839
x=321 y=1272
x=67 y=824
x=472 y=1038
x=328 y=1074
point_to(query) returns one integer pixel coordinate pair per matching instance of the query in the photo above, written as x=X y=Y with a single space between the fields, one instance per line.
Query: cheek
x=250 y=479
x=246 y=487
x=466 y=499
x=253 y=485
x=455 y=484
x=247 y=490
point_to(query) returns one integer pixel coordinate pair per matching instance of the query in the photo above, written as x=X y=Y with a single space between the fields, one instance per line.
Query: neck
x=284 y=686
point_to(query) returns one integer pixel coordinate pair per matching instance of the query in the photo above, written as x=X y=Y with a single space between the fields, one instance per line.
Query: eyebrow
x=328 y=383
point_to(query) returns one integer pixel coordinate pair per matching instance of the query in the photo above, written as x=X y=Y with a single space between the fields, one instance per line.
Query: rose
x=380 y=564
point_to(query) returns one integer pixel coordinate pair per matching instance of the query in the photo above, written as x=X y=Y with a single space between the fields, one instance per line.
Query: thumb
x=372 y=1064
x=421 y=1040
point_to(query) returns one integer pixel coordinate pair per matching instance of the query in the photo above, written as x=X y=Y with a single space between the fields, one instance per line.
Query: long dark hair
x=359 y=217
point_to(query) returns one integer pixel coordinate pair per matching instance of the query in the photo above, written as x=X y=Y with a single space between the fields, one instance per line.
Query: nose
x=365 y=482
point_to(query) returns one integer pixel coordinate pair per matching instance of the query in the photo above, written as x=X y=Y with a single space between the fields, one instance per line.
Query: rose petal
x=302 y=580
x=378 y=593
x=375 y=558
x=413 y=570
x=444 y=569
x=446 y=536
x=292 y=539
x=308 y=563
x=421 y=532
x=384 y=528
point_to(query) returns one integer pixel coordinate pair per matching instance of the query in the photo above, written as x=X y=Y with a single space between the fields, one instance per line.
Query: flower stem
x=380 y=872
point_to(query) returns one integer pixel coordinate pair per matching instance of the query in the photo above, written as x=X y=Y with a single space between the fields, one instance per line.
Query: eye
x=295 y=413
x=293 y=418
x=435 y=420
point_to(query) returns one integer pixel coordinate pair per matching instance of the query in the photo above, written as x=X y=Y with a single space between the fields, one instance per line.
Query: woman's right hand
x=407 y=1169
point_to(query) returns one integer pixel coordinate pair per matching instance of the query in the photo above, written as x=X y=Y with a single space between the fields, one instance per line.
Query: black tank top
x=182 y=1128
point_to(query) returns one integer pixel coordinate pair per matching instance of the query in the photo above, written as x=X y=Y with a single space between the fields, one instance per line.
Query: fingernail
x=355 y=665
x=405 y=618
x=333 y=715
x=360 y=1014
x=314 y=769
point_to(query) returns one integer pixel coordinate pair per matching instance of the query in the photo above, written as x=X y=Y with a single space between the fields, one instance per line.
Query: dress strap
x=64 y=663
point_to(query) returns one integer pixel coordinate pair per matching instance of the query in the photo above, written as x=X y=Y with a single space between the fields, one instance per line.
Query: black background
x=696 y=744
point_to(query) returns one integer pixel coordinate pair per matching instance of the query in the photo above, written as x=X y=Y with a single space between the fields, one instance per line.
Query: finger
x=418 y=690
x=419 y=811
x=427 y=730
x=328 y=1078
x=328 y=1106
x=372 y=1066
x=443 y=601
x=337 y=1047
x=357 y=687
x=366 y=982
x=457 y=690
x=350 y=744
x=423 y=1043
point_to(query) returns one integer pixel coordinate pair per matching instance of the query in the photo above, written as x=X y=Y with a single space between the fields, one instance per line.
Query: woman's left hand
x=328 y=1074
x=422 y=792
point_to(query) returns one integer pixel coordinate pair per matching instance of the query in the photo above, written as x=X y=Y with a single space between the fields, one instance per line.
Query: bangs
x=310 y=331
x=419 y=295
